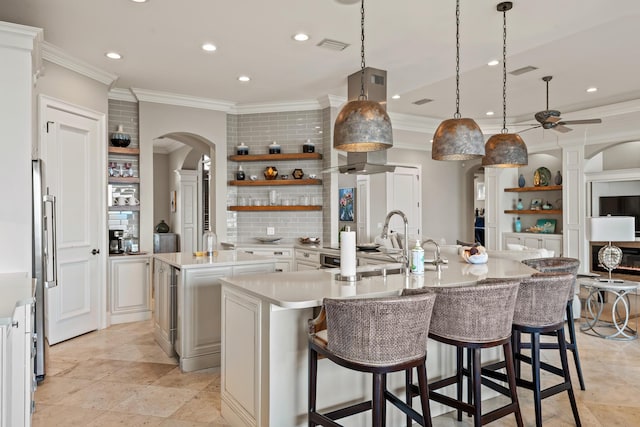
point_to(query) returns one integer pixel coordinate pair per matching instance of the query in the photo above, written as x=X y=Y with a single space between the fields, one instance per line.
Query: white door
x=70 y=148
x=404 y=193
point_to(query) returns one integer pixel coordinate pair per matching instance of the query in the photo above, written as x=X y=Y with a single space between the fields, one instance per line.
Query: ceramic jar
x=119 y=138
x=242 y=149
x=308 y=147
x=270 y=172
x=240 y=174
x=274 y=148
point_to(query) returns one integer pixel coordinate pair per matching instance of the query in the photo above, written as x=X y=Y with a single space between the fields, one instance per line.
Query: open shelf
x=265 y=182
x=117 y=208
x=270 y=157
x=534 y=211
x=124 y=150
x=527 y=189
x=275 y=208
x=124 y=180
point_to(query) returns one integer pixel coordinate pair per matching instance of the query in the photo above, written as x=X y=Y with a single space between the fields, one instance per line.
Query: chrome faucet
x=385 y=234
x=436 y=253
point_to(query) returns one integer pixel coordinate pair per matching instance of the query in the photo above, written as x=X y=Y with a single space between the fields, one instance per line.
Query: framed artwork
x=547 y=225
x=173 y=201
x=536 y=204
x=345 y=202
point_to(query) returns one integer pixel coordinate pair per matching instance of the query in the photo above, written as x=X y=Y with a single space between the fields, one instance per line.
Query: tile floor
x=120 y=377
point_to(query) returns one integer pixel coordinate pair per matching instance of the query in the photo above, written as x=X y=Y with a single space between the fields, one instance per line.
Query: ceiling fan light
x=362 y=125
x=458 y=139
x=505 y=150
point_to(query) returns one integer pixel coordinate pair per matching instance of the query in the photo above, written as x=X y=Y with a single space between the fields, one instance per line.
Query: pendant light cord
x=457 y=115
x=504 y=71
x=362 y=64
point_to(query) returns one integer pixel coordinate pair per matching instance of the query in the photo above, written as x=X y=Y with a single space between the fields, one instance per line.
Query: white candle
x=348 y=253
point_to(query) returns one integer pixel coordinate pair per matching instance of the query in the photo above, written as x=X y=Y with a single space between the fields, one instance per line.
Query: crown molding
x=413 y=123
x=18 y=36
x=119 y=94
x=331 y=101
x=57 y=56
x=277 y=107
x=169 y=98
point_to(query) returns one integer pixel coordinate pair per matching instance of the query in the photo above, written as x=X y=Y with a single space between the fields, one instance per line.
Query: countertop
x=223 y=258
x=303 y=289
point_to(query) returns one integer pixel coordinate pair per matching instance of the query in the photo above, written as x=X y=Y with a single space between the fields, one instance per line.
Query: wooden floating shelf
x=275 y=208
x=527 y=189
x=124 y=208
x=123 y=180
x=124 y=150
x=274 y=157
x=264 y=182
x=534 y=212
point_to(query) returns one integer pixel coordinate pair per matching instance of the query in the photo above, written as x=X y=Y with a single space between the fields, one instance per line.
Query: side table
x=620 y=309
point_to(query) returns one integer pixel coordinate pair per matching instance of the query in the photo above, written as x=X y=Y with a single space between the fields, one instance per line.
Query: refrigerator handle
x=51 y=259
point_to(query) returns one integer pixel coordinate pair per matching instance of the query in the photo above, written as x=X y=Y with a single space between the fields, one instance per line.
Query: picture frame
x=536 y=204
x=172 y=196
x=547 y=225
x=346 y=203
x=480 y=191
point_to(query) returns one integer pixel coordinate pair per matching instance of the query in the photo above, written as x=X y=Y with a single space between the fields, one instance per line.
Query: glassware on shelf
x=209 y=242
x=113 y=169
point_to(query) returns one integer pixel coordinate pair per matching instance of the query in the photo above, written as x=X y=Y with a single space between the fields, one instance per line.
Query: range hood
x=375 y=89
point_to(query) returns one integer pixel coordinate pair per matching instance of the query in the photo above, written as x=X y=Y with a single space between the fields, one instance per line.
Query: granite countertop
x=222 y=258
x=303 y=289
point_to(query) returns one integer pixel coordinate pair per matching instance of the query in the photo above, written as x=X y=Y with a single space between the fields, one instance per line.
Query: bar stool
x=540 y=309
x=473 y=318
x=561 y=265
x=377 y=336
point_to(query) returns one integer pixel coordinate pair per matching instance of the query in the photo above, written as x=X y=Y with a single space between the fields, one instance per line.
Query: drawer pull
x=278 y=253
x=306 y=255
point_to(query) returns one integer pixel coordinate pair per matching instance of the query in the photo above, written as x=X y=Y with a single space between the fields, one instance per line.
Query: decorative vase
x=162 y=227
x=521 y=181
x=558 y=178
x=119 y=138
x=519 y=205
x=517 y=225
x=240 y=174
x=270 y=172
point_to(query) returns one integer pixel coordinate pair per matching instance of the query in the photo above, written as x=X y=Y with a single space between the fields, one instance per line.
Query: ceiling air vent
x=422 y=101
x=333 y=44
x=523 y=70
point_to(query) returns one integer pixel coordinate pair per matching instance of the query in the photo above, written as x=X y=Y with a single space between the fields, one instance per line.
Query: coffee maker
x=116 y=241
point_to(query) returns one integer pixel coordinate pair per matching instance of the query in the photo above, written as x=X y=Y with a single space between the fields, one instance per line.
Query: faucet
x=436 y=253
x=385 y=234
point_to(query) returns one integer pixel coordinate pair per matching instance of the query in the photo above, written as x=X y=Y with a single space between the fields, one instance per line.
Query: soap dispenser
x=417 y=259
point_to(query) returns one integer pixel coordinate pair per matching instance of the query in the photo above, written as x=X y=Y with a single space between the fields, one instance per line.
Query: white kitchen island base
x=264 y=345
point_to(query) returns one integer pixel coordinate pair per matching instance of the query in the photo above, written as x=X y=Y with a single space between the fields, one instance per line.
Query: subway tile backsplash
x=290 y=130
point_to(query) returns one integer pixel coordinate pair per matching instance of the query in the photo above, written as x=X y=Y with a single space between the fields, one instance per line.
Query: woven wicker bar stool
x=540 y=308
x=473 y=318
x=561 y=265
x=377 y=336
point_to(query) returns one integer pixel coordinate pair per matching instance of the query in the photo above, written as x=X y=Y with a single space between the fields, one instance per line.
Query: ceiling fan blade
x=552 y=119
x=561 y=128
x=580 y=122
x=525 y=130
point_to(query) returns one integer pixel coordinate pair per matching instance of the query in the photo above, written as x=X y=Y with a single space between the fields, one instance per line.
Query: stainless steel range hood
x=375 y=89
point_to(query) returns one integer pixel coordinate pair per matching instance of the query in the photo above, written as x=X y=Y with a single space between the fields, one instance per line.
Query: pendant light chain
x=362 y=64
x=504 y=71
x=457 y=114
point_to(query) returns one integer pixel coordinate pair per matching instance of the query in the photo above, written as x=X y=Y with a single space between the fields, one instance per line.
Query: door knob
x=95 y=251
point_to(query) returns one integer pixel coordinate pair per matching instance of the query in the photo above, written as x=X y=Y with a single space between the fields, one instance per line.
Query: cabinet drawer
x=308 y=256
x=276 y=252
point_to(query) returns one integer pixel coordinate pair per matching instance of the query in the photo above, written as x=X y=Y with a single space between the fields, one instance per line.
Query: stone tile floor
x=119 y=377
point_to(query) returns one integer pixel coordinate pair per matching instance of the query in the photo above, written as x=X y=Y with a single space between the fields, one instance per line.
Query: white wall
x=161 y=188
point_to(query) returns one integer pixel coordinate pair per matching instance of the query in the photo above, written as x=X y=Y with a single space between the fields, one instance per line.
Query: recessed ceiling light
x=139 y=1
x=396 y=96
x=493 y=63
x=592 y=89
x=301 y=37
x=209 y=47
x=113 y=55
x=489 y=113
x=244 y=78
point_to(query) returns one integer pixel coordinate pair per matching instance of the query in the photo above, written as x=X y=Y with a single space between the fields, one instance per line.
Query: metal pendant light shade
x=362 y=125
x=505 y=150
x=457 y=138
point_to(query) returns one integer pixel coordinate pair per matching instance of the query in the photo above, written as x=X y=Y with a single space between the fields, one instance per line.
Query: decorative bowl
x=270 y=172
x=309 y=240
x=475 y=259
x=297 y=173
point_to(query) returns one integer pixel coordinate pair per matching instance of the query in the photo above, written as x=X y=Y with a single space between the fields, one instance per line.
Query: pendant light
x=362 y=125
x=457 y=138
x=505 y=150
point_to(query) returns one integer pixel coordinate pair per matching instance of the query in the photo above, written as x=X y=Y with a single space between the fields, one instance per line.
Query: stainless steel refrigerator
x=44 y=257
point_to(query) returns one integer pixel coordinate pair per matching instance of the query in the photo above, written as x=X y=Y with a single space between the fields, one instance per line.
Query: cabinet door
x=532 y=242
x=162 y=306
x=303 y=266
x=129 y=289
x=510 y=239
x=553 y=243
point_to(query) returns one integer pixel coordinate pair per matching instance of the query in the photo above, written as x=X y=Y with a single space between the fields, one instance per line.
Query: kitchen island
x=264 y=340
x=186 y=319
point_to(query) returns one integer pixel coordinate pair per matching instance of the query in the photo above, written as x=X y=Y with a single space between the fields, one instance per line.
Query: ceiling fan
x=550 y=119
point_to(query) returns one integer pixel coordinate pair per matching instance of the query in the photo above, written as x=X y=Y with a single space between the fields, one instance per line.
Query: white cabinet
x=283 y=256
x=17 y=350
x=552 y=242
x=307 y=259
x=164 y=316
x=129 y=288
